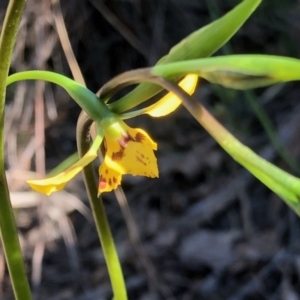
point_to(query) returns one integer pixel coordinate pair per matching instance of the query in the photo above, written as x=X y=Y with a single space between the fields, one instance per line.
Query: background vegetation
x=207 y=229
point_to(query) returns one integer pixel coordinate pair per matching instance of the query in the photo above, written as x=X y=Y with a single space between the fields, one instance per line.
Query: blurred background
x=206 y=229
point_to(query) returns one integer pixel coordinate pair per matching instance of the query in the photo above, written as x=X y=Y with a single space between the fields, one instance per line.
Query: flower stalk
x=86 y=99
x=286 y=186
x=9 y=233
x=99 y=214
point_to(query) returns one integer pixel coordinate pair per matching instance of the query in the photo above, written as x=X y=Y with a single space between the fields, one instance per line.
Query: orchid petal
x=170 y=102
x=56 y=183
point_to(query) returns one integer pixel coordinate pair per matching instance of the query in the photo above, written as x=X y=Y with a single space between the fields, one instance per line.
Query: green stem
x=86 y=99
x=286 y=186
x=98 y=209
x=200 y=43
x=9 y=233
x=259 y=111
x=283 y=184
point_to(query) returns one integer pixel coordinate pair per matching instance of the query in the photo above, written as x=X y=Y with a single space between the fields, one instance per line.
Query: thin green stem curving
x=280 y=182
x=259 y=111
x=86 y=99
x=9 y=233
x=98 y=209
x=201 y=43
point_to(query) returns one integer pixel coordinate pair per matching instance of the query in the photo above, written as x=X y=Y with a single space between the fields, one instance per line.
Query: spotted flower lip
x=128 y=150
x=132 y=153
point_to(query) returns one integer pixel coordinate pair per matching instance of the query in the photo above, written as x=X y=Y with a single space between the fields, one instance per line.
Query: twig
x=120 y=27
x=65 y=42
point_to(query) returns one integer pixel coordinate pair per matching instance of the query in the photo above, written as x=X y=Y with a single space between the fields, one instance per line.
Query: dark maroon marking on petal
x=140 y=160
x=139 y=137
x=109 y=181
x=114 y=179
x=117 y=155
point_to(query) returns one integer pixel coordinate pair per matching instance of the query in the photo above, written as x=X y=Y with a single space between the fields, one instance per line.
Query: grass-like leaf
x=201 y=43
x=236 y=71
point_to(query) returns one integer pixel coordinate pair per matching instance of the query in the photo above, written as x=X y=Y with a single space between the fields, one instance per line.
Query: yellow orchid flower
x=130 y=153
x=127 y=150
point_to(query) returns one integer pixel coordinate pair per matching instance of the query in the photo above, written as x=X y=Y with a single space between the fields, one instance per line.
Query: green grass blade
x=270 y=130
x=9 y=232
x=236 y=71
x=286 y=186
x=282 y=188
x=201 y=43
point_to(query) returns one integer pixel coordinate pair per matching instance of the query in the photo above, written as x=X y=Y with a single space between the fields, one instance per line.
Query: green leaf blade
x=201 y=43
x=236 y=71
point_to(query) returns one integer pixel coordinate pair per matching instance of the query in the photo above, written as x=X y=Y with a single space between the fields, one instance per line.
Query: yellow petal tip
x=44 y=187
x=170 y=102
